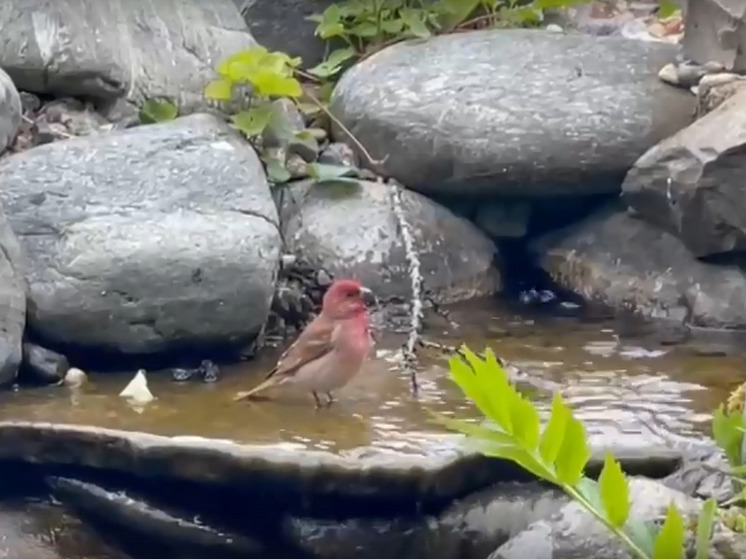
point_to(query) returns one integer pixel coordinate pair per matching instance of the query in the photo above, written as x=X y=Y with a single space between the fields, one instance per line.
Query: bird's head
x=346 y=299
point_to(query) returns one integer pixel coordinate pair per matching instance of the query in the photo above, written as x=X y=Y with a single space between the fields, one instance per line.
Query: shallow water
x=617 y=385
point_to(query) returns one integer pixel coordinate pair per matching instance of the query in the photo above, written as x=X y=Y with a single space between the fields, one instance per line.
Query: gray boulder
x=10 y=110
x=351 y=230
x=136 y=50
x=692 y=184
x=623 y=262
x=572 y=532
x=12 y=302
x=512 y=112
x=283 y=26
x=147 y=239
x=715 y=30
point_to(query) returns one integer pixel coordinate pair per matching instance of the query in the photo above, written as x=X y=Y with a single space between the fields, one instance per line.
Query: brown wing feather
x=313 y=343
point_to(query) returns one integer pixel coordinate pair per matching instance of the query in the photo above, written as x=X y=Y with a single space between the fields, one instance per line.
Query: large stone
x=10 y=110
x=12 y=301
x=573 y=532
x=352 y=229
x=284 y=26
x=715 y=30
x=693 y=184
x=146 y=240
x=119 y=48
x=512 y=112
x=625 y=263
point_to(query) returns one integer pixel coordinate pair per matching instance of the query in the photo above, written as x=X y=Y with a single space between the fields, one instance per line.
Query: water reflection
x=619 y=384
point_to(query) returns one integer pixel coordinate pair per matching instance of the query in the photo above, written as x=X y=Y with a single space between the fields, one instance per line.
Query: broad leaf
x=726 y=434
x=667 y=8
x=415 y=21
x=526 y=423
x=271 y=84
x=614 y=492
x=669 y=543
x=573 y=454
x=554 y=432
x=704 y=529
x=154 y=110
x=252 y=122
x=276 y=171
x=219 y=90
x=333 y=63
x=324 y=171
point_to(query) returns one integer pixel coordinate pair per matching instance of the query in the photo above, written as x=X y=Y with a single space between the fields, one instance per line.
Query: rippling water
x=618 y=384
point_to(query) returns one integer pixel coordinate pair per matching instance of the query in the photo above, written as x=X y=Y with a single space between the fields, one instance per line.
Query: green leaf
x=277 y=173
x=614 y=492
x=704 y=529
x=415 y=21
x=726 y=434
x=669 y=543
x=554 y=432
x=573 y=454
x=365 y=29
x=325 y=172
x=642 y=534
x=393 y=26
x=333 y=63
x=219 y=90
x=154 y=110
x=271 y=84
x=252 y=122
x=526 y=424
x=667 y=8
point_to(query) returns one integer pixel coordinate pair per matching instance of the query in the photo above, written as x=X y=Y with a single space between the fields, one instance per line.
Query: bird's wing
x=313 y=343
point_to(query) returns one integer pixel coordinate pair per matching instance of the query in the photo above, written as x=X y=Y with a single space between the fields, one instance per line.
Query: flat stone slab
x=377 y=478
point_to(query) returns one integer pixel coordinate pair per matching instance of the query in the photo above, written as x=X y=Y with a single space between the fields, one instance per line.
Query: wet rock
x=716 y=89
x=602 y=102
x=686 y=74
x=130 y=252
x=468 y=529
x=629 y=265
x=43 y=365
x=351 y=229
x=691 y=184
x=284 y=26
x=10 y=110
x=120 y=49
x=74 y=378
x=364 y=481
x=703 y=473
x=181 y=374
x=167 y=527
x=715 y=30
x=572 y=532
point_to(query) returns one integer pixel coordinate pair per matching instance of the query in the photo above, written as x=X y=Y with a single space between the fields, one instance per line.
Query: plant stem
x=375 y=164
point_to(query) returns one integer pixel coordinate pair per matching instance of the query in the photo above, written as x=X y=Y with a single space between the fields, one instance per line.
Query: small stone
x=29 y=102
x=339 y=153
x=296 y=166
x=74 y=378
x=180 y=374
x=554 y=28
x=209 y=370
x=669 y=74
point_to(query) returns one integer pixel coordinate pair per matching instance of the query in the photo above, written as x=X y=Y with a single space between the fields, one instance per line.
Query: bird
x=332 y=348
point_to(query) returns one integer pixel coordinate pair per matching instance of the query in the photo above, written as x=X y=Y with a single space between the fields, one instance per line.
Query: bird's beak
x=368 y=296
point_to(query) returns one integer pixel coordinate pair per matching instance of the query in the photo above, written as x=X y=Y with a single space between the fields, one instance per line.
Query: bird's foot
x=317 y=400
x=329 y=399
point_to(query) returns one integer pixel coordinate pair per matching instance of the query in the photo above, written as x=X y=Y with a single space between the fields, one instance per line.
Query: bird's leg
x=330 y=399
x=316 y=397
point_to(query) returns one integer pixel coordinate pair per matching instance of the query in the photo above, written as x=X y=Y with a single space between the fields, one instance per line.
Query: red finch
x=332 y=348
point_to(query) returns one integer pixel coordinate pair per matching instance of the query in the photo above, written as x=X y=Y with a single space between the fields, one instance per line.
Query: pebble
x=74 y=377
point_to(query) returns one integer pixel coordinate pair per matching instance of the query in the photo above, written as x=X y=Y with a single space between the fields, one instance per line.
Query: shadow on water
x=618 y=376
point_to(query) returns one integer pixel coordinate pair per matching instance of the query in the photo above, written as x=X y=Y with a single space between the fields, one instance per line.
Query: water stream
x=618 y=376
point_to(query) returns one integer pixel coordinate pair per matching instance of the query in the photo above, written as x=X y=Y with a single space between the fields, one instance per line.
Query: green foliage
x=667 y=9
x=365 y=26
x=558 y=453
x=158 y=110
x=728 y=428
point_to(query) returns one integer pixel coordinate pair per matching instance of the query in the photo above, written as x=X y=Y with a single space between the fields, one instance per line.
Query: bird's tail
x=271 y=381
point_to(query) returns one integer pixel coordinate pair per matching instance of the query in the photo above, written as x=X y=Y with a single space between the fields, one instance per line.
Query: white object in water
x=74 y=378
x=137 y=389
